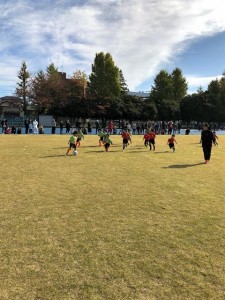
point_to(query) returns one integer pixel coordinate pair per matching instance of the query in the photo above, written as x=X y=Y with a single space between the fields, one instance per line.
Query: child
x=126 y=138
x=146 y=138
x=152 y=136
x=171 y=142
x=108 y=142
x=215 y=137
x=72 y=142
x=80 y=136
x=101 y=134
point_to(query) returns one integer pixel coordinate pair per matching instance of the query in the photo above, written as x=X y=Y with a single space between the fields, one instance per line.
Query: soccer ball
x=75 y=152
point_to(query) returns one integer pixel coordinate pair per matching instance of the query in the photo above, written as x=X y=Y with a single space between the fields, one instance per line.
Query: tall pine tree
x=23 y=86
x=123 y=86
x=104 y=80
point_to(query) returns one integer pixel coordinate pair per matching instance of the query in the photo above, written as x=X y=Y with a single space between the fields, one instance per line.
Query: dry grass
x=132 y=225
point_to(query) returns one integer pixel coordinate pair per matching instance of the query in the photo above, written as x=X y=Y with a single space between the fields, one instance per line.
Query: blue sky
x=143 y=37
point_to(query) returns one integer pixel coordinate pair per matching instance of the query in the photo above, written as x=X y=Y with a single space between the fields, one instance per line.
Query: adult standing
x=30 y=126
x=89 y=127
x=68 y=126
x=207 y=139
x=4 y=125
x=53 y=126
x=97 y=126
x=26 y=124
x=178 y=127
x=61 y=127
x=35 y=126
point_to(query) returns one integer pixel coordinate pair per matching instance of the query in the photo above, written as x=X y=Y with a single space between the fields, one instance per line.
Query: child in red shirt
x=152 y=136
x=171 y=142
x=126 y=138
x=146 y=138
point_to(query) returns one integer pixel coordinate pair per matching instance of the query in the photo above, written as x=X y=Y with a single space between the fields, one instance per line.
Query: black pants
x=207 y=151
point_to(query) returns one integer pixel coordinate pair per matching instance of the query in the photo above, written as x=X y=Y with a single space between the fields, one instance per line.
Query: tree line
x=105 y=95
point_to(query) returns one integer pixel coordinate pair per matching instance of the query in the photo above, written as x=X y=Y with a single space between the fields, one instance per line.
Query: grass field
x=118 y=225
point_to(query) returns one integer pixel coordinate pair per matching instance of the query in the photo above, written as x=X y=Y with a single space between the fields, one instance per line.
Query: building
x=11 y=109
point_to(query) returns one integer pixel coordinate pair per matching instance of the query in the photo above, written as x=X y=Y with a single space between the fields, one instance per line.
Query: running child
x=171 y=142
x=101 y=135
x=146 y=138
x=108 y=142
x=72 y=142
x=152 y=137
x=80 y=136
x=215 y=137
x=126 y=138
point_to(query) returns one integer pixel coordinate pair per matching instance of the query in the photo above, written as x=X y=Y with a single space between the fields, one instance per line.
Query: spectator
x=61 y=127
x=187 y=131
x=30 y=127
x=178 y=127
x=19 y=131
x=26 y=124
x=89 y=127
x=134 y=127
x=138 y=128
x=97 y=126
x=35 y=126
x=68 y=126
x=53 y=126
x=13 y=129
x=4 y=125
x=41 y=129
x=8 y=130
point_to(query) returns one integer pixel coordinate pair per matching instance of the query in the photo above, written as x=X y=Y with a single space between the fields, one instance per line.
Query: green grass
x=118 y=225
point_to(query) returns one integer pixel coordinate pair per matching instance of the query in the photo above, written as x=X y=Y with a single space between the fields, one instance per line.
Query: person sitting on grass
x=187 y=131
x=108 y=142
x=41 y=129
x=72 y=142
x=171 y=142
x=19 y=130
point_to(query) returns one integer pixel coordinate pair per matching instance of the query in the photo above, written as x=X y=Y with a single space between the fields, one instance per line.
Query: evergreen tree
x=104 y=80
x=180 y=86
x=162 y=95
x=23 y=85
x=57 y=89
x=123 y=86
x=40 y=93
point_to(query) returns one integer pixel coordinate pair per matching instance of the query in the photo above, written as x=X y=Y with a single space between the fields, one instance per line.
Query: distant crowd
x=92 y=127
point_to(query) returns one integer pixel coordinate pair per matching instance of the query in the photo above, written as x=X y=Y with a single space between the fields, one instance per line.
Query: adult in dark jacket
x=206 y=139
x=26 y=123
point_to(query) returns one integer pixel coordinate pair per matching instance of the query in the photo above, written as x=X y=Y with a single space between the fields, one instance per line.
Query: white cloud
x=141 y=35
x=195 y=82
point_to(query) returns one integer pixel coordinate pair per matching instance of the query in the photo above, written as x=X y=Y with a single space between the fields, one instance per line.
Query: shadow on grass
x=59 y=155
x=160 y=152
x=183 y=166
x=102 y=151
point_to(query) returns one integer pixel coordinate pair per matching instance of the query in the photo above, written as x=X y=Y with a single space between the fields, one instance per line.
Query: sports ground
x=117 y=225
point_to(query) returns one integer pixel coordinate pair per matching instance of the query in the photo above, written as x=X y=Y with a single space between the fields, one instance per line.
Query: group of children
x=74 y=141
x=104 y=139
